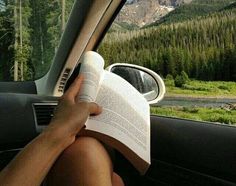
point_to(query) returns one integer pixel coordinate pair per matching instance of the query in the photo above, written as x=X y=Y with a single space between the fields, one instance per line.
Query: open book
x=124 y=122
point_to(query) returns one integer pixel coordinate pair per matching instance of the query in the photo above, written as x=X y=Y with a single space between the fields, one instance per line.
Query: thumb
x=94 y=109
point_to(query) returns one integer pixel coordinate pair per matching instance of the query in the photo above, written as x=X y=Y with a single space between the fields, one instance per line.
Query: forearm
x=32 y=164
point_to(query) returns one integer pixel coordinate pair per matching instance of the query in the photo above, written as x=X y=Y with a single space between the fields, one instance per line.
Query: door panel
x=203 y=147
x=186 y=152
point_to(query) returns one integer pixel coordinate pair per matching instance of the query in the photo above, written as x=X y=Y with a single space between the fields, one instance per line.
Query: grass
x=195 y=88
x=216 y=115
x=200 y=89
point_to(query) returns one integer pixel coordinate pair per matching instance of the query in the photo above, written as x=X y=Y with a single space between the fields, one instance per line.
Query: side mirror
x=144 y=80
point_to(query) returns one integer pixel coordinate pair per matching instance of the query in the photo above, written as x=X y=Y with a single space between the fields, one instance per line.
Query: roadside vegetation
x=216 y=115
x=182 y=86
x=197 y=88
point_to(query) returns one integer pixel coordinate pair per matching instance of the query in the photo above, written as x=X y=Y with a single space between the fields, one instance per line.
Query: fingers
x=73 y=90
x=94 y=109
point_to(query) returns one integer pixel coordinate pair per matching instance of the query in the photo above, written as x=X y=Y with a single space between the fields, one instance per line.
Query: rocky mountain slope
x=144 y=12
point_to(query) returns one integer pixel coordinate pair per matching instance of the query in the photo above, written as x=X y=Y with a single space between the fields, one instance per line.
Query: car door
x=185 y=152
x=193 y=132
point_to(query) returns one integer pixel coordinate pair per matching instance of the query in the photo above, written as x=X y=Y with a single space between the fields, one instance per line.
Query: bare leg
x=117 y=180
x=85 y=162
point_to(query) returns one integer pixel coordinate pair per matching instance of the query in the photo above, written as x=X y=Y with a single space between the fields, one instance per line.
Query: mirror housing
x=147 y=82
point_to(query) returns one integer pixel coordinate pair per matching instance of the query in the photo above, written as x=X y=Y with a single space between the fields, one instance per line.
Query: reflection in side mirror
x=144 y=80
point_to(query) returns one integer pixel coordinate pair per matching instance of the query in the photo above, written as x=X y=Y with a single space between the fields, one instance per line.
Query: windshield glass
x=30 y=32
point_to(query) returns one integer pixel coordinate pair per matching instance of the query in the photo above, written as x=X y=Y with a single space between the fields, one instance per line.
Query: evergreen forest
x=30 y=32
x=198 y=38
x=202 y=43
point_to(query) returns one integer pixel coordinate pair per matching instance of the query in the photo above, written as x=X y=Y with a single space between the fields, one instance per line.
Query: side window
x=30 y=32
x=191 y=44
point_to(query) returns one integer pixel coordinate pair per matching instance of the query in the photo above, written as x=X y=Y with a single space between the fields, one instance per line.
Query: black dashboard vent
x=64 y=79
x=43 y=113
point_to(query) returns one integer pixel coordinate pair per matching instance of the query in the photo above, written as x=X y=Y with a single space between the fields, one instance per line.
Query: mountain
x=201 y=47
x=193 y=10
x=144 y=12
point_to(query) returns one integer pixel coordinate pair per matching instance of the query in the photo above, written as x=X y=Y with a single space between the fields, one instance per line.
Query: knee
x=85 y=157
x=83 y=146
x=87 y=150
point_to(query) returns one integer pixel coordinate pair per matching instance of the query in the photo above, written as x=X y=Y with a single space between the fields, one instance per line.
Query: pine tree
x=196 y=46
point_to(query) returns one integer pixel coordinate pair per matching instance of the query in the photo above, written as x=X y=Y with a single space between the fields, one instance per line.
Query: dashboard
x=22 y=117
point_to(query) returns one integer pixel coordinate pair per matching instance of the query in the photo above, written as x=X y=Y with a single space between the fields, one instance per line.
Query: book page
x=92 y=70
x=125 y=115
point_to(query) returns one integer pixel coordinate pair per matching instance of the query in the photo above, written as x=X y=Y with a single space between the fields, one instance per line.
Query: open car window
x=191 y=44
x=30 y=32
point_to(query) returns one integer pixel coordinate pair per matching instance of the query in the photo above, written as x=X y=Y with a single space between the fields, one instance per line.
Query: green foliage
x=29 y=37
x=181 y=80
x=169 y=77
x=216 y=115
x=6 y=51
x=190 y=109
x=201 y=47
x=47 y=25
x=223 y=87
x=122 y=27
x=184 y=75
x=169 y=80
x=231 y=6
x=194 y=88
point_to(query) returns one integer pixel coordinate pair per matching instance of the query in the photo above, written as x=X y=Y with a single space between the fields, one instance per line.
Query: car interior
x=183 y=152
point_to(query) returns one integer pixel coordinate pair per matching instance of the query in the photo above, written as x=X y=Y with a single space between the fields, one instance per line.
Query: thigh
x=85 y=157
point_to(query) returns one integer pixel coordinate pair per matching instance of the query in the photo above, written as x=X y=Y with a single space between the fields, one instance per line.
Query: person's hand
x=71 y=114
x=32 y=164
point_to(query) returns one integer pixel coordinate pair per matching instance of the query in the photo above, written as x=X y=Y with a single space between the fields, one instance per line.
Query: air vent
x=43 y=113
x=64 y=79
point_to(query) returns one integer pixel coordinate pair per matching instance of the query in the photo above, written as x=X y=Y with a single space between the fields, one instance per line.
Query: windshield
x=30 y=32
